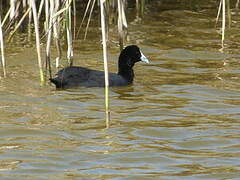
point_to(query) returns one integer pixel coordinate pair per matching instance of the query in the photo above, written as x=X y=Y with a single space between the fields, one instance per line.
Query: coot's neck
x=127 y=73
x=125 y=69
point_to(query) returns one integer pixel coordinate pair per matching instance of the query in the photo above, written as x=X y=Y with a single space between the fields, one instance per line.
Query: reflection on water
x=180 y=119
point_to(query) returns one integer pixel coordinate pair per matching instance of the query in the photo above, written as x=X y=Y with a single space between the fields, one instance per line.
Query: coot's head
x=130 y=55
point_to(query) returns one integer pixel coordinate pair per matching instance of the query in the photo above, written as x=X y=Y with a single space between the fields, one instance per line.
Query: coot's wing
x=71 y=77
x=74 y=73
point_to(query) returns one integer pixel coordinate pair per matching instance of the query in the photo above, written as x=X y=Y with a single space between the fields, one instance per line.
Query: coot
x=75 y=76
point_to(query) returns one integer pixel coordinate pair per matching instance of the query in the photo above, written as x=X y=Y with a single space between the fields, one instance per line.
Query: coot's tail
x=59 y=83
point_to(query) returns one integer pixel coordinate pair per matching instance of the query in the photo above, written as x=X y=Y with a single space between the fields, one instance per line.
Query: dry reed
x=2 y=50
x=34 y=11
x=223 y=4
x=104 y=44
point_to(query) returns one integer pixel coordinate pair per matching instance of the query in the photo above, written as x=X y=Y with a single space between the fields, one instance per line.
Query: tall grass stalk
x=1 y=7
x=84 y=16
x=6 y=16
x=222 y=8
x=40 y=8
x=18 y=24
x=2 y=49
x=223 y=22
x=137 y=8
x=142 y=7
x=36 y=24
x=219 y=11
x=74 y=19
x=237 y=4
x=46 y=23
x=89 y=19
x=229 y=14
x=56 y=32
x=104 y=44
x=69 y=33
x=24 y=4
x=122 y=23
x=12 y=7
x=30 y=25
x=49 y=38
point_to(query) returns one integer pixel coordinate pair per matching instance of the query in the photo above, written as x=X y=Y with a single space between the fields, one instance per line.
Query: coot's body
x=79 y=76
x=74 y=76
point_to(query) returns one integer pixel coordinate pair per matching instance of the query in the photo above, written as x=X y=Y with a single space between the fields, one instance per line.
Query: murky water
x=180 y=119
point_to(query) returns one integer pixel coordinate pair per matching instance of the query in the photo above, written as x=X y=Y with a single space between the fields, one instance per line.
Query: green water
x=179 y=120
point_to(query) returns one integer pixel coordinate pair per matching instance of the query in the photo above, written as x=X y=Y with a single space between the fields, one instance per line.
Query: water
x=180 y=119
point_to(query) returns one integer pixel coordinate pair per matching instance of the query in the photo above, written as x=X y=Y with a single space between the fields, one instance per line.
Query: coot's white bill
x=143 y=58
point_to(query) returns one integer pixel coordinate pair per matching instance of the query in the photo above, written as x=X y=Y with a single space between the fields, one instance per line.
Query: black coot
x=74 y=76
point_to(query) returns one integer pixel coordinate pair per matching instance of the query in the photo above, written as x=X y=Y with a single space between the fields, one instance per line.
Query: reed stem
x=89 y=19
x=223 y=22
x=229 y=14
x=122 y=22
x=19 y=23
x=2 y=50
x=49 y=38
x=69 y=34
x=84 y=16
x=237 y=4
x=56 y=31
x=35 y=18
x=104 y=44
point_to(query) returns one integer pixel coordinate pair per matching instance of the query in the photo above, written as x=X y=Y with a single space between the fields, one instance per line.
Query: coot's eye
x=138 y=54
